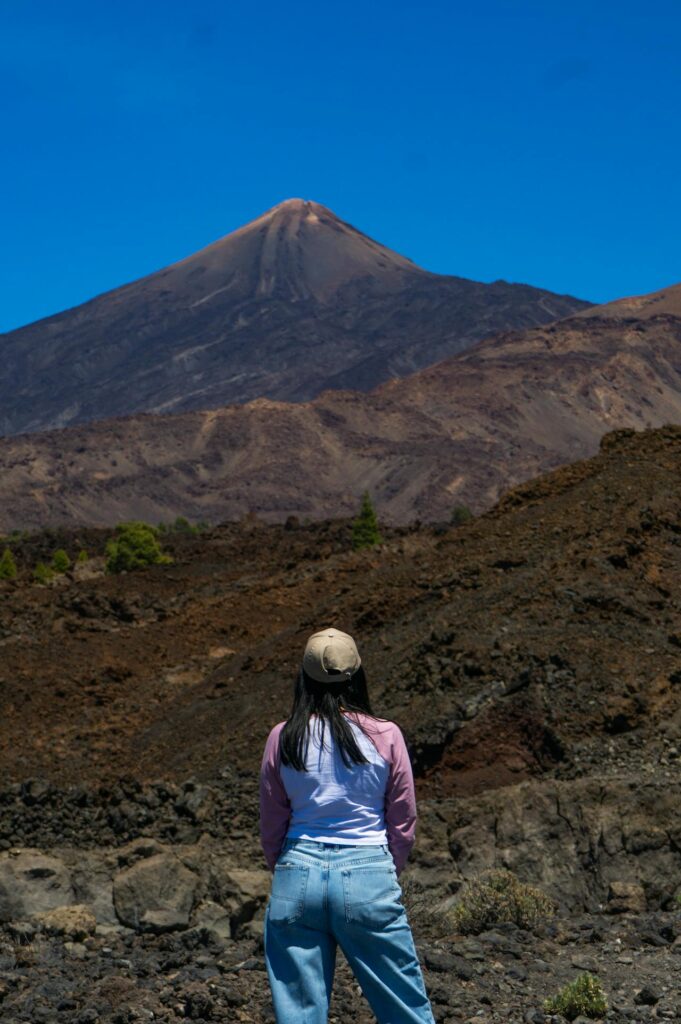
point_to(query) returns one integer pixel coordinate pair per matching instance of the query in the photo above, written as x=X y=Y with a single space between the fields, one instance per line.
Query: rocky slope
x=512 y=643
x=533 y=659
x=665 y=302
x=460 y=432
x=291 y=304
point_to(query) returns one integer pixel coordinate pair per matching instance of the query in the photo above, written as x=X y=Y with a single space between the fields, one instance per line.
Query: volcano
x=295 y=303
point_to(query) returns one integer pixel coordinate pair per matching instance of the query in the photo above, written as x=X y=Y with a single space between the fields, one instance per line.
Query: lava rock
x=156 y=894
x=32 y=882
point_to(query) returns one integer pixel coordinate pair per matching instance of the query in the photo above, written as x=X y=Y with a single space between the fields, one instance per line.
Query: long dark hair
x=324 y=700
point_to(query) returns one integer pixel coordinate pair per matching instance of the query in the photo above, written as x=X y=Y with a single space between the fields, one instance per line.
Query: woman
x=337 y=822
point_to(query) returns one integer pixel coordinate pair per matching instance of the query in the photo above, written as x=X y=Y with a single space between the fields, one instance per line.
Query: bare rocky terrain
x=460 y=432
x=532 y=657
x=291 y=304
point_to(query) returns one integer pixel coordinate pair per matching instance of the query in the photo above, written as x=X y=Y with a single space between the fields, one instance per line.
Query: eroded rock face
x=32 y=882
x=156 y=894
x=587 y=843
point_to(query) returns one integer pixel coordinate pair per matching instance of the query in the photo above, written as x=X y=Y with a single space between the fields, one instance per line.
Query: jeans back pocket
x=373 y=896
x=287 y=897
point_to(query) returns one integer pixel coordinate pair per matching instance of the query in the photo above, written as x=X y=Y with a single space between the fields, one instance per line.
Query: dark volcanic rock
x=530 y=657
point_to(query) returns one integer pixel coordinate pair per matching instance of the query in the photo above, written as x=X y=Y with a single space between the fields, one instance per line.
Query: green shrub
x=460 y=514
x=499 y=896
x=582 y=997
x=134 y=547
x=8 y=567
x=365 y=532
x=61 y=561
x=42 y=573
x=82 y=555
x=181 y=525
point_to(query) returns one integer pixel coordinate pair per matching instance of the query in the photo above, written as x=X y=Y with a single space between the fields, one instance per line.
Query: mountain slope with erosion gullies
x=460 y=432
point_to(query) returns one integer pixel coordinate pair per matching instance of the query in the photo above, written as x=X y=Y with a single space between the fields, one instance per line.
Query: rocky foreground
x=115 y=929
x=533 y=659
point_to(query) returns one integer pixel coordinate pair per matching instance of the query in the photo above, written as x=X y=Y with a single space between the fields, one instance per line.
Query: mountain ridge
x=460 y=432
x=292 y=304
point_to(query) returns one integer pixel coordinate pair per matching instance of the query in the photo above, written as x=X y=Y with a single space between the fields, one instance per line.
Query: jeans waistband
x=336 y=855
x=314 y=844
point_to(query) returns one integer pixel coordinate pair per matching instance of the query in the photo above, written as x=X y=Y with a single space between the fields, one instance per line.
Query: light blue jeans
x=326 y=895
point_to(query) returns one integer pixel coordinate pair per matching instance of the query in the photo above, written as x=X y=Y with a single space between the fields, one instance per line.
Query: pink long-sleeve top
x=364 y=804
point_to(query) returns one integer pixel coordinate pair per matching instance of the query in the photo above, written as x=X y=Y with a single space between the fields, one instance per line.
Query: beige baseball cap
x=329 y=655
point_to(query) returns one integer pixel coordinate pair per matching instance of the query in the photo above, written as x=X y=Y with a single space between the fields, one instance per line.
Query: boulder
x=138 y=849
x=626 y=898
x=91 y=873
x=31 y=883
x=253 y=883
x=214 y=919
x=155 y=894
x=242 y=891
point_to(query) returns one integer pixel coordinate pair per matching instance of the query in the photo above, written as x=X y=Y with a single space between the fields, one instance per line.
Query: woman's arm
x=400 y=801
x=275 y=808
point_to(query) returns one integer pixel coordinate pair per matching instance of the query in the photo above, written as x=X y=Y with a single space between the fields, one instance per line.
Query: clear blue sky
x=532 y=141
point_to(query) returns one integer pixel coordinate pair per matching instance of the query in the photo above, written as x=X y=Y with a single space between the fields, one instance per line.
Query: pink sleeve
x=400 y=801
x=275 y=808
x=400 y=798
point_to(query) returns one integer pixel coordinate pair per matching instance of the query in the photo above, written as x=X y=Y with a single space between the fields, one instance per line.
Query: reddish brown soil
x=544 y=632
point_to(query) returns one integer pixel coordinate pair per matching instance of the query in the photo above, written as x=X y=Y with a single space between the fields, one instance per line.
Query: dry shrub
x=496 y=897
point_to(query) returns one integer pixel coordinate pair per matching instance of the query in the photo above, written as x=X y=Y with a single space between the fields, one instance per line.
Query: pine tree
x=460 y=515
x=61 y=561
x=365 y=532
x=42 y=573
x=8 y=567
x=134 y=547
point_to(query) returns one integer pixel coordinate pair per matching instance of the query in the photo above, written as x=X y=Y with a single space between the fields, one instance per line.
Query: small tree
x=8 y=567
x=182 y=525
x=82 y=555
x=460 y=514
x=61 y=561
x=42 y=573
x=365 y=531
x=135 y=546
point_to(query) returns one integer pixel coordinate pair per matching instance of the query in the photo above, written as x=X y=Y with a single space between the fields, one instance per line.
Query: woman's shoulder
x=382 y=728
x=274 y=734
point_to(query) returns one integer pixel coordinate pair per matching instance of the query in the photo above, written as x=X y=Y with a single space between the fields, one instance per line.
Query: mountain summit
x=297 y=250
x=290 y=305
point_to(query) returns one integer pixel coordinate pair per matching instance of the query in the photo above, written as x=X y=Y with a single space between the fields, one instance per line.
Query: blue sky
x=534 y=142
